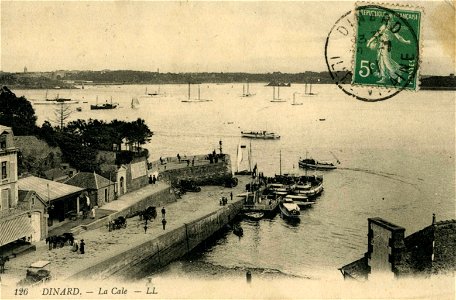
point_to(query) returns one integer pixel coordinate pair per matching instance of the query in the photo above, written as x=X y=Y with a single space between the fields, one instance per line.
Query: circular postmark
x=374 y=60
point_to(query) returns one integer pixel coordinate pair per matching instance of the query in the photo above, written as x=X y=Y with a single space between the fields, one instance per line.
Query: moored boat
x=260 y=135
x=301 y=200
x=254 y=215
x=103 y=106
x=289 y=209
x=310 y=163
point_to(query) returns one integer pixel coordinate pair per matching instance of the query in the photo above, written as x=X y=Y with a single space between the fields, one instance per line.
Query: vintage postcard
x=227 y=149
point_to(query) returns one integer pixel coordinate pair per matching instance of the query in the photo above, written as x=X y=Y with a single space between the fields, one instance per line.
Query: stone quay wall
x=142 y=260
x=207 y=174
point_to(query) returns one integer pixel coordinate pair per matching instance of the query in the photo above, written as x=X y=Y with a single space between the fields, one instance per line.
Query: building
x=8 y=165
x=100 y=190
x=22 y=214
x=64 y=200
x=127 y=170
x=431 y=250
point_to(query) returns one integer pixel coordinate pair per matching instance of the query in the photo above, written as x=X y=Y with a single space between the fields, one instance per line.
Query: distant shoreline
x=76 y=79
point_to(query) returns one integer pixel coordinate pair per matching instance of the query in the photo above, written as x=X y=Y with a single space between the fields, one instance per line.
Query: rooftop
x=47 y=189
x=89 y=180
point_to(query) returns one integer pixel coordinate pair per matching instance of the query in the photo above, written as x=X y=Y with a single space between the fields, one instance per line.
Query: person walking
x=145 y=227
x=82 y=247
x=164 y=223
x=150 y=179
x=231 y=195
x=163 y=212
x=154 y=179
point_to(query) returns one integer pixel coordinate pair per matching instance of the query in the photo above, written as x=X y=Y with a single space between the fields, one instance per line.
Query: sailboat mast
x=280 y=163
x=310 y=86
x=278 y=92
x=305 y=88
x=199 y=92
x=189 y=91
x=273 y=93
x=250 y=157
x=243 y=89
x=248 y=87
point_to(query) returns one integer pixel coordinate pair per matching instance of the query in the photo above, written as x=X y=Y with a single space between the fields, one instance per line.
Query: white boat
x=254 y=215
x=294 y=99
x=289 y=209
x=301 y=200
x=134 y=102
x=243 y=166
x=265 y=135
x=195 y=100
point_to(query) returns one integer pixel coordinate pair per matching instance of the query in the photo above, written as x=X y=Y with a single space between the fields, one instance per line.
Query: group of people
x=224 y=200
x=163 y=211
x=152 y=179
x=78 y=246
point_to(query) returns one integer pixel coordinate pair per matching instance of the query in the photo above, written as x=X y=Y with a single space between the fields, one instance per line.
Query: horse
x=3 y=260
x=149 y=213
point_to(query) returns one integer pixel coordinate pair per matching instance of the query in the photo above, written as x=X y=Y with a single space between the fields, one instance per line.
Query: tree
x=62 y=113
x=17 y=113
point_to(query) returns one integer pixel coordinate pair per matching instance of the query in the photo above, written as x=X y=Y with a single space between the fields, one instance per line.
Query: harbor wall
x=143 y=259
x=208 y=174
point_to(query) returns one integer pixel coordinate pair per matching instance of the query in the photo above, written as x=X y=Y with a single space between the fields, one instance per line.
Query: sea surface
x=396 y=162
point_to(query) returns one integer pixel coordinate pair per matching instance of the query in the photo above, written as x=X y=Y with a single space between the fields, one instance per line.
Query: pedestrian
x=82 y=247
x=178 y=157
x=164 y=223
x=231 y=195
x=193 y=161
x=150 y=179
x=145 y=227
x=188 y=162
x=161 y=161
x=163 y=212
x=75 y=246
x=93 y=213
x=154 y=179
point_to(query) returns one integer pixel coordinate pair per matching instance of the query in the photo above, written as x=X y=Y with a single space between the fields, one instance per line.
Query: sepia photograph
x=227 y=149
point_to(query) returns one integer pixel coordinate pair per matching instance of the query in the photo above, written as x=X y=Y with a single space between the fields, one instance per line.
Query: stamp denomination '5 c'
x=387 y=47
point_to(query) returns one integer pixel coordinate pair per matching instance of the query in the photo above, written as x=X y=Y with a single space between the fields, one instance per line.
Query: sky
x=235 y=36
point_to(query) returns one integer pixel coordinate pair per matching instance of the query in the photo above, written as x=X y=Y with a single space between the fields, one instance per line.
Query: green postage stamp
x=387 y=52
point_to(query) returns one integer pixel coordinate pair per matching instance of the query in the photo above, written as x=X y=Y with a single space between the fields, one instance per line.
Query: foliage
x=17 y=113
x=80 y=140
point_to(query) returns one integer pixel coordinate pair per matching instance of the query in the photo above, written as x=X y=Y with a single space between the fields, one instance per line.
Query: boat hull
x=317 y=166
x=287 y=214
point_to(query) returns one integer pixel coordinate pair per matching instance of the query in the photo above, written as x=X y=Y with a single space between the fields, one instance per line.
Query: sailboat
x=156 y=93
x=104 y=105
x=189 y=99
x=274 y=98
x=244 y=167
x=246 y=90
x=134 y=102
x=309 y=92
x=294 y=99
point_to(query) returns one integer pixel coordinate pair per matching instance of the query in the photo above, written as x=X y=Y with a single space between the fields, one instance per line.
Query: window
x=4 y=174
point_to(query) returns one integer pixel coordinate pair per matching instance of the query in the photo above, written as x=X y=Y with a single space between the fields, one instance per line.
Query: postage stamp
x=387 y=47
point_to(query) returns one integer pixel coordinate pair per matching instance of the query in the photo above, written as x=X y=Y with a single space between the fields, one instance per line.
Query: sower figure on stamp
x=388 y=67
